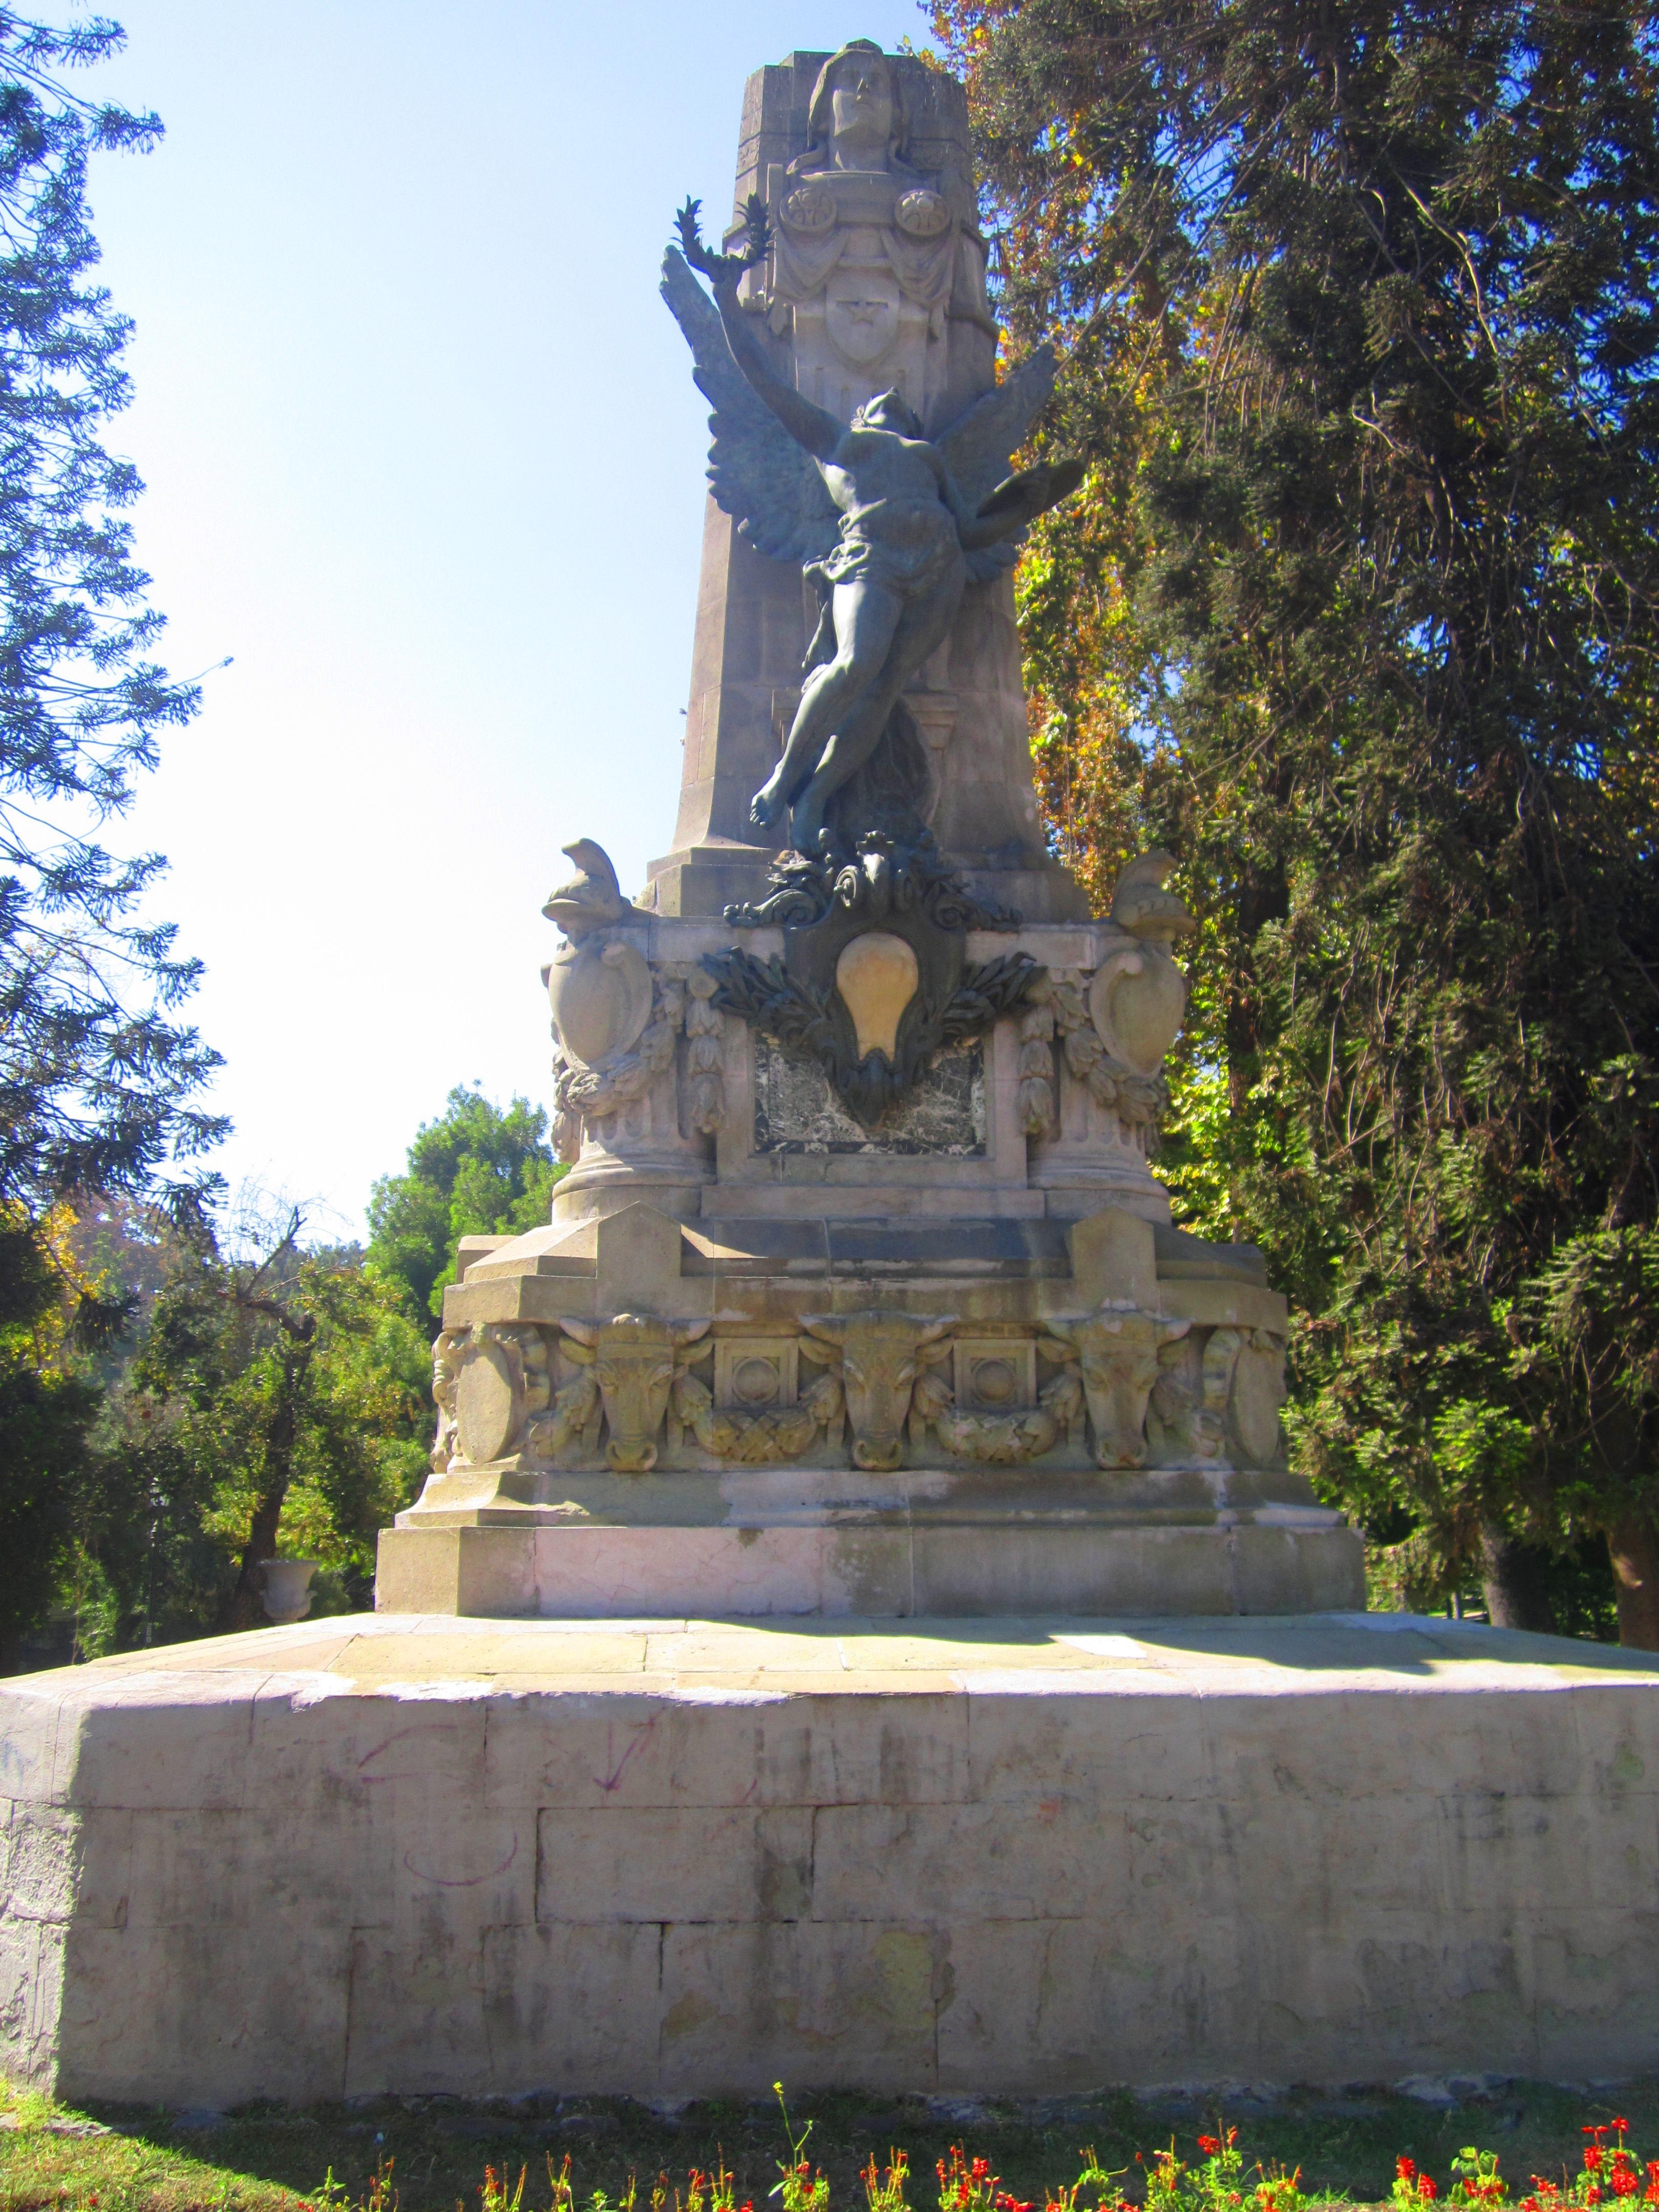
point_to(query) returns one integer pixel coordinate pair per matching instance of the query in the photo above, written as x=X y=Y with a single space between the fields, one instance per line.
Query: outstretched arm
x=809 y=426
x=815 y=427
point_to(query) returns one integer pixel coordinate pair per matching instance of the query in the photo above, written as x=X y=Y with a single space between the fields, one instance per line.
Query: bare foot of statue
x=806 y=830
x=766 y=806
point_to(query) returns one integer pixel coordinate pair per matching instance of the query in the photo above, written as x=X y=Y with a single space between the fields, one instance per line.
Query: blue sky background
x=424 y=455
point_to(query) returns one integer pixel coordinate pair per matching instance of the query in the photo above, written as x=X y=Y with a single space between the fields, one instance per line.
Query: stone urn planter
x=288 y=1588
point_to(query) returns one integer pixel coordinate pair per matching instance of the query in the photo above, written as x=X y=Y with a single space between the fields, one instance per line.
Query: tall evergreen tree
x=98 y=1077
x=1359 y=302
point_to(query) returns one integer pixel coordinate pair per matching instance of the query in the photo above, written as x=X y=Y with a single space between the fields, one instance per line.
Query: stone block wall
x=687 y=1858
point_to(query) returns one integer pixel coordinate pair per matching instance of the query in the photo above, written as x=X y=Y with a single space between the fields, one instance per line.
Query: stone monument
x=859 y=1320
x=860 y=1294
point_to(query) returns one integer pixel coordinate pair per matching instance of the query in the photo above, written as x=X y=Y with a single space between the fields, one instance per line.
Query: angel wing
x=982 y=441
x=756 y=471
x=979 y=445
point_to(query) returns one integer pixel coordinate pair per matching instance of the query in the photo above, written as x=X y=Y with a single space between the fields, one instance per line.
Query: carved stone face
x=861 y=110
x=881 y=1356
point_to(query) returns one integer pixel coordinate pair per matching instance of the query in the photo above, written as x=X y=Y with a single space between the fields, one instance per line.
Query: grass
x=269 y=2159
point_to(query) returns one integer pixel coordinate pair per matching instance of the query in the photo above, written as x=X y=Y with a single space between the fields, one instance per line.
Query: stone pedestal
x=794 y=1364
x=682 y=1859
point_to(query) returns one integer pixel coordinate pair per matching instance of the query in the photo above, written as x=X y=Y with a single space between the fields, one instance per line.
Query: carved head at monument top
x=857 y=117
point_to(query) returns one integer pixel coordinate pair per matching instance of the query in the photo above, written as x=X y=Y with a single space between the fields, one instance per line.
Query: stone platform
x=680 y=1857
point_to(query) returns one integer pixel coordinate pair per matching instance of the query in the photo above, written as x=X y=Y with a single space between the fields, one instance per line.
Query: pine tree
x=98 y=1077
x=1361 y=302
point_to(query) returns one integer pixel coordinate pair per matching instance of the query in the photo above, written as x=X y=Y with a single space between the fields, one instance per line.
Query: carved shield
x=600 y=995
x=861 y=314
x=489 y=1399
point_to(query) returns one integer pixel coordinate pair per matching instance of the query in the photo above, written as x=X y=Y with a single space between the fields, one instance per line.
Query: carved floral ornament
x=1121 y=1385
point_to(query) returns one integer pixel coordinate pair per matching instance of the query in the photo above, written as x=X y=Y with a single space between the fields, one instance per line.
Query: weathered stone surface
x=911 y=1556
x=797 y=1111
x=686 y=1858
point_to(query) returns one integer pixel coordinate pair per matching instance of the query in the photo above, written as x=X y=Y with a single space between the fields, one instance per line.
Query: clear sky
x=424 y=455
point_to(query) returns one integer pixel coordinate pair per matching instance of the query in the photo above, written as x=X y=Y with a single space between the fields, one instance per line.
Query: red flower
x=1209 y=2145
x=1592 y=2158
x=1426 y=2188
x=1404 y=2168
x=979 y=2168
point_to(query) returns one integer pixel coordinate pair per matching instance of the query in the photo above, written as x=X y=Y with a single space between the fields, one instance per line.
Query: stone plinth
x=974 y=1548
x=681 y=1857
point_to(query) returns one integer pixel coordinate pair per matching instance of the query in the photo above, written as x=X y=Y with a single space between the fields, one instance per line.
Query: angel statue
x=889 y=524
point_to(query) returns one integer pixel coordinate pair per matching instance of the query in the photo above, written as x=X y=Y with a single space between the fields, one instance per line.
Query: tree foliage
x=267 y=1399
x=1359 y=303
x=98 y=1077
x=475 y=1171
x=279 y=1404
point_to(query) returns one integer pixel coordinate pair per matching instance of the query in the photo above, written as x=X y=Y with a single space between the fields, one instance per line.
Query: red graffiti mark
x=397 y=1737
x=609 y=1781
x=460 y=1880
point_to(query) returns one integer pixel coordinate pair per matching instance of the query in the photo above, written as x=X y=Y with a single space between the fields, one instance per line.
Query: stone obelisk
x=875 y=280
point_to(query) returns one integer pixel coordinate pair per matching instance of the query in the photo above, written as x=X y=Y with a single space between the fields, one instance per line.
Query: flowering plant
x=495 y=2193
x=1479 y=2181
x=800 y=2189
x=1611 y=2171
x=1102 y=2185
x=884 y=2193
x=968 y=2185
x=1218 y=2184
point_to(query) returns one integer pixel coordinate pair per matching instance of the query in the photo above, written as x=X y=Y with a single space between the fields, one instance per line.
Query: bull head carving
x=880 y=1354
x=1117 y=1349
x=635 y=1358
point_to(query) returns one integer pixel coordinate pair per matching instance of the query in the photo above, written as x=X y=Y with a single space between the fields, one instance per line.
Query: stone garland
x=1001 y=1439
x=705 y=1056
x=1036 y=1066
x=756 y=1439
x=683 y=1001
x=1138 y=1100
